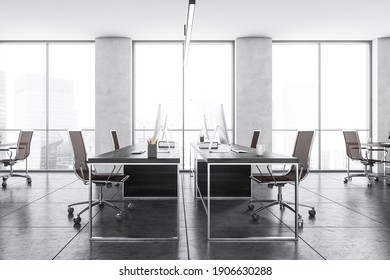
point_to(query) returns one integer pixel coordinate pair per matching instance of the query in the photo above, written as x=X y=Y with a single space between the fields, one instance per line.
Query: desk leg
x=296 y=199
x=90 y=202
x=208 y=202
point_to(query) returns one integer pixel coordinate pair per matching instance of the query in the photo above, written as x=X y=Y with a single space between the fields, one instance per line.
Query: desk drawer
x=151 y=181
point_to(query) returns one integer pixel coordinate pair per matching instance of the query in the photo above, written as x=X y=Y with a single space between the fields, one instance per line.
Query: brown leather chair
x=115 y=140
x=302 y=150
x=22 y=151
x=82 y=172
x=354 y=150
x=255 y=138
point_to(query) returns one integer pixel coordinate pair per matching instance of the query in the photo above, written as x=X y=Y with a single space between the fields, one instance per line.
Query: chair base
x=368 y=176
x=101 y=202
x=282 y=204
x=5 y=178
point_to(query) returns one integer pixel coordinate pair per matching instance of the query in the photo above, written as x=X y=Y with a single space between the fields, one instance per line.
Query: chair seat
x=105 y=177
x=7 y=162
x=289 y=177
x=371 y=161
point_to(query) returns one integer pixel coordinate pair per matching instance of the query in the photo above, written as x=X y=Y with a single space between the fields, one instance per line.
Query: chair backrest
x=302 y=149
x=352 y=145
x=80 y=155
x=255 y=138
x=115 y=140
x=23 y=145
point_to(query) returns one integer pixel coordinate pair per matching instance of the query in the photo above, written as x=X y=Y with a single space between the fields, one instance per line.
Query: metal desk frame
x=261 y=161
x=133 y=161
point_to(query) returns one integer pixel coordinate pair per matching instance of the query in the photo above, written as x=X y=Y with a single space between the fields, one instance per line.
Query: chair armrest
x=82 y=172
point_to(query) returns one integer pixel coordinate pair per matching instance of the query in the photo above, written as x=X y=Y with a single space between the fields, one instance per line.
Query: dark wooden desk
x=223 y=156
x=149 y=177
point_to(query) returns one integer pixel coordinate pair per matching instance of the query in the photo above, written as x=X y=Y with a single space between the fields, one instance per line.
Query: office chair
x=22 y=151
x=302 y=150
x=115 y=140
x=354 y=152
x=82 y=172
x=255 y=138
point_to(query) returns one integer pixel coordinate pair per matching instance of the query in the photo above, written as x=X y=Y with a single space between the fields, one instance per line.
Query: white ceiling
x=214 y=19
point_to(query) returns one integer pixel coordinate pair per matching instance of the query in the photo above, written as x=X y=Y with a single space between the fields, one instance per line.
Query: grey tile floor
x=352 y=222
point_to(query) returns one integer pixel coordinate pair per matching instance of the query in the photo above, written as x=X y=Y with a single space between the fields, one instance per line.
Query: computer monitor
x=204 y=129
x=159 y=125
x=220 y=125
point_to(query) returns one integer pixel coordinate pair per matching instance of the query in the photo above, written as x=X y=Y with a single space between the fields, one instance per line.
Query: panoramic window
x=48 y=88
x=321 y=87
x=185 y=94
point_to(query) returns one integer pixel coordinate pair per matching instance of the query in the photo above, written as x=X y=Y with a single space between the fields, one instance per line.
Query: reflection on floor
x=352 y=222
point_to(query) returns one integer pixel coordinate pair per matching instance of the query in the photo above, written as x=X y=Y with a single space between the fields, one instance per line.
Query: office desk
x=124 y=157
x=224 y=156
x=384 y=146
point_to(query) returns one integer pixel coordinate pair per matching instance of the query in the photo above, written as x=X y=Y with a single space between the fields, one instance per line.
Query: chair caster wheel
x=4 y=179
x=300 y=221
x=29 y=181
x=345 y=180
x=77 y=220
x=117 y=185
x=376 y=179
x=70 y=210
x=119 y=217
x=312 y=212
x=251 y=206
x=4 y=184
x=131 y=206
x=255 y=217
x=281 y=207
x=109 y=185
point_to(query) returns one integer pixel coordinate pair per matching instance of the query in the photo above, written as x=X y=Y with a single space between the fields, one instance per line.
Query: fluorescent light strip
x=190 y=19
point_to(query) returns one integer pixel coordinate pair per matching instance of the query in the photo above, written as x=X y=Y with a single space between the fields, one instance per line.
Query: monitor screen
x=220 y=123
x=204 y=128
x=159 y=125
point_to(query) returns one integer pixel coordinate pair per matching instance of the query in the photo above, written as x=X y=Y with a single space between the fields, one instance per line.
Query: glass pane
x=333 y=154
x=283 y=143
x=344 y=77
x=295 y=86
x=208 y=84
x=23 y=97
x=71 y=99
x=158 y=79
x=22 y=86
x=72 y=86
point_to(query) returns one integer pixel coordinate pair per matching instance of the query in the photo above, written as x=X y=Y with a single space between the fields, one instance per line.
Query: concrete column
x=381 y=92
x=112 y=92
x=253 y=90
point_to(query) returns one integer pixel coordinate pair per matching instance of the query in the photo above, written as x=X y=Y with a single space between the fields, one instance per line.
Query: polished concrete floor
x=352 y=222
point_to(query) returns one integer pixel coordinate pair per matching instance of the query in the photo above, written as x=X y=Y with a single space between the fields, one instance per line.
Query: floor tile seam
x=43 y=227
x=347 y=208
x=185 y=217
x=17 y=182
x=311 y=247
x=31 y=202
x=359 y=186
x=299 y=237
x=77 y=233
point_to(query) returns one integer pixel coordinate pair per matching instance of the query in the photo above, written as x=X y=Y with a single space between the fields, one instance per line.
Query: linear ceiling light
x=188 y=29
